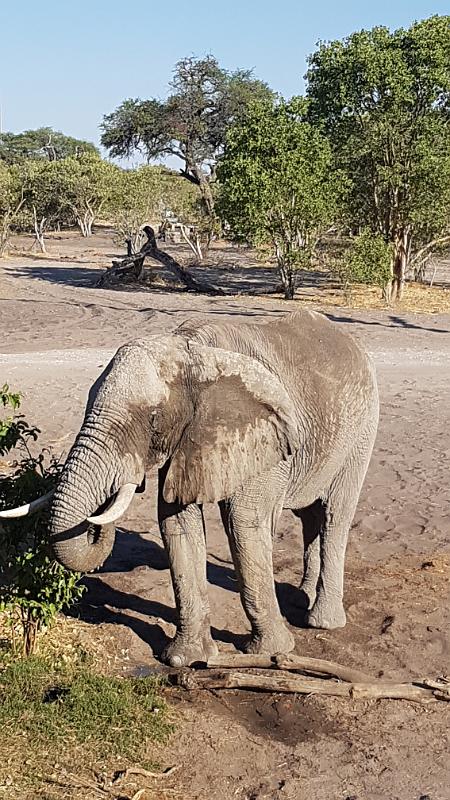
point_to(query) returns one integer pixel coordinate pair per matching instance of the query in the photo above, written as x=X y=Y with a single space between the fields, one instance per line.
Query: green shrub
x=33 y=587
x=368 y=260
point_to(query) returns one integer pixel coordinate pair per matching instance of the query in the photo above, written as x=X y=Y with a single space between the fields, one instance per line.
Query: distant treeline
x=364 y=156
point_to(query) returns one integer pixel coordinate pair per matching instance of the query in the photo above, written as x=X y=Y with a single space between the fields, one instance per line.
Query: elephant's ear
x=243 y=423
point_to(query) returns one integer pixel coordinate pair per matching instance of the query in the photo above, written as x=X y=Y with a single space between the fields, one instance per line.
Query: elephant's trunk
x=93 y=474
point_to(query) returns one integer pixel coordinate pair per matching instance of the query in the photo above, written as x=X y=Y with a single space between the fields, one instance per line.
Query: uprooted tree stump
x=131 y=268
x=350 y=683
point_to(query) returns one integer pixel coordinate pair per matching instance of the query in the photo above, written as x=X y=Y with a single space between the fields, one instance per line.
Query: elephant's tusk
x=28 y=508
x=118 y=507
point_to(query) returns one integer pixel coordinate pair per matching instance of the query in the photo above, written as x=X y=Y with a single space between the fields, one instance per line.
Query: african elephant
x=255 y=416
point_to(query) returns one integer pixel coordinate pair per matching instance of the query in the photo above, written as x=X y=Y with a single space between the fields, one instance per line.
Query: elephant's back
x=325 y=367
x=327 y=374
x=304 y=349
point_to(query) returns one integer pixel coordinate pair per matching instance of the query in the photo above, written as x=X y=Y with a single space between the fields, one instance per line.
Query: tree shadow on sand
x=232 y=279
x=395 y=322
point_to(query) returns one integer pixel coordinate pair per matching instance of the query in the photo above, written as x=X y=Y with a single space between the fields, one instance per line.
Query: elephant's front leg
x=183 y=535
x=250 y=531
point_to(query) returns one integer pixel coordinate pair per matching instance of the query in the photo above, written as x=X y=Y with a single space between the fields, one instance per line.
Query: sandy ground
x=56 y=333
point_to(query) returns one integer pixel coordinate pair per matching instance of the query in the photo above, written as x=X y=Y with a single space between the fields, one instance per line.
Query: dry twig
x=145 y=773
x=291 y=663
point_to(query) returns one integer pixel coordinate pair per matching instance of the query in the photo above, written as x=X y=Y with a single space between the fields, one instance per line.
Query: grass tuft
x=49 y=709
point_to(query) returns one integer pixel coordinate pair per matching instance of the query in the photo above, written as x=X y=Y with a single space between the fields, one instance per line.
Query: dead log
x=128 y=270
x=291 y=663
x=151 y=249
x=132 y=268
x=296 y=684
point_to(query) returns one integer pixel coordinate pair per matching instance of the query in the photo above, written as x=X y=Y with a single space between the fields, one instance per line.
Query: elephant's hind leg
x=250 y=531
x=313 y=519
x=183 y=535
x=339 y=505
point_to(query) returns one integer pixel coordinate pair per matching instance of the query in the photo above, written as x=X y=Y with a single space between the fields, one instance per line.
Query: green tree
x=137 y=201
x=42 y=143
x=191 y=124
x=384 y=100
x=278 y=186
x=12 y=200
x=367 y=260
x=87 y=185
x=44 y=206
x=153 y=194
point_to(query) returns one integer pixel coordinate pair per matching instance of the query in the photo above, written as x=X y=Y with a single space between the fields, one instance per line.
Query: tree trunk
x=85 y=223
x=4 y=238
x=194 y=244
x=39 y=228
x=208 y=198
x=287 y=280
x=395 y=288
x=81 y=225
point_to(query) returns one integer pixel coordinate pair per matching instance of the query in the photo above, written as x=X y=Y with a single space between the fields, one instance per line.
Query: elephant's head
x=214 y=418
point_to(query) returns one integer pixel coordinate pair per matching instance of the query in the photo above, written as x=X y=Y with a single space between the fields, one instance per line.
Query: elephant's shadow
x=102 y=603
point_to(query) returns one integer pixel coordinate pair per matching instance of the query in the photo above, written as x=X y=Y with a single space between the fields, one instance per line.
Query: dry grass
x=418 y=299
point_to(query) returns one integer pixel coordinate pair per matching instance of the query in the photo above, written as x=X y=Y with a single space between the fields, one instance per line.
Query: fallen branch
x=145 y=773
x=291 y=663
x=296 y=684
x=133 y=267
x=130 y=269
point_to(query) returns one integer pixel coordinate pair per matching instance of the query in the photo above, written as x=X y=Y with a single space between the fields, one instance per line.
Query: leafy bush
x=368 y=260
x=33 y=587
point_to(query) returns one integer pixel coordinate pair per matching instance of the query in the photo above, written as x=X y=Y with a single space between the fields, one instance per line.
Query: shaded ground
x=55 y=335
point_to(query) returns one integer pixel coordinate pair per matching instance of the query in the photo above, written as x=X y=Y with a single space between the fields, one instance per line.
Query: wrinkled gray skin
x=256 y=417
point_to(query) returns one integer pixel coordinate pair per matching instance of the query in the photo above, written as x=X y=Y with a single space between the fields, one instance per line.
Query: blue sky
x=65 y=64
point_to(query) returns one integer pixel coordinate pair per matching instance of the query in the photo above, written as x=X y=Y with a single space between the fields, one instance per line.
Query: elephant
x=255 y=416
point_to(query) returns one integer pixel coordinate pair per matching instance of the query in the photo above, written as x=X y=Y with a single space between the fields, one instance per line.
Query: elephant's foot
x=306 y=596
x=326 y=615
x=185 y=650
x=277 y=640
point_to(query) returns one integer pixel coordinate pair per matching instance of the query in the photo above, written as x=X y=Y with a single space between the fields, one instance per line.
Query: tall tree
x=278 y=185
x=384 y=99
x=42 y=143
x=191 y=124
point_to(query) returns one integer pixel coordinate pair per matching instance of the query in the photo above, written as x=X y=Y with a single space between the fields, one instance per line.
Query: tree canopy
x=278 y=185
x=190 y=124
x=384 y=100
x=86 y=186
x=42 y=143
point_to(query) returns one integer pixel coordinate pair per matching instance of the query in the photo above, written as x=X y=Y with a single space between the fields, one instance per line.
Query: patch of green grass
x=56 y=703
